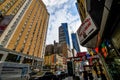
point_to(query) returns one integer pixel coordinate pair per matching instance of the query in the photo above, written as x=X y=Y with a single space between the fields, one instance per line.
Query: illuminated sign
x=86 y=29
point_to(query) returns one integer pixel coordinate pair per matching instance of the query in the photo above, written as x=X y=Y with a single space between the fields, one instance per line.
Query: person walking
x=103 y=77
x=85 y=75
x=90 y=75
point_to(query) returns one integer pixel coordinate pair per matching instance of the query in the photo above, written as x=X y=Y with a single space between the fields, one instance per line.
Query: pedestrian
x=103 y=76
x=101 y=69
x=85 y=75
x=90 y=75
x=95 y=68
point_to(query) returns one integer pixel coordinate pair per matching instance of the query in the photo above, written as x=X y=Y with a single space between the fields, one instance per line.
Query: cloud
x=54 y=2
x=61 y=11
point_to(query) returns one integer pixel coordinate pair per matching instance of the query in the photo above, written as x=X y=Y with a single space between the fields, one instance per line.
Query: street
x=59 y=39
x=68 y=78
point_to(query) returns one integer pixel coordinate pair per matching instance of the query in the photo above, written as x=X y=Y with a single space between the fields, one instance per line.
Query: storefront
x=103 y=34
x=110 y=34
x=111 y=57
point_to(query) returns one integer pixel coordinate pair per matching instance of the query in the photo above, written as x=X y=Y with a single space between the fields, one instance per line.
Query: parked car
x=46 y=76
x=32 y=75
x=61 y=75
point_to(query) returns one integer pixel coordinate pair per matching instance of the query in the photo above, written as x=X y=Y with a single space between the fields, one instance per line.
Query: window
x=13 y=58
x=1 y=55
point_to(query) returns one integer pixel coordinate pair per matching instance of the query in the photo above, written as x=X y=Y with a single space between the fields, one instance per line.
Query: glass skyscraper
x=64 y=34
x=75 y=42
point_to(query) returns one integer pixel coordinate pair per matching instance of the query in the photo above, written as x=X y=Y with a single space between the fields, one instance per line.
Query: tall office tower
x=25 y=24
x=64 y=34
x=75 y=43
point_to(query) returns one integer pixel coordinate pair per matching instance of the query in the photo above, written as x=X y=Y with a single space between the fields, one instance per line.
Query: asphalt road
x=68 y=78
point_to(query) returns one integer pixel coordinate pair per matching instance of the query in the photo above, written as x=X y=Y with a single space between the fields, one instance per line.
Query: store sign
x=86 y=29
x=81 y=54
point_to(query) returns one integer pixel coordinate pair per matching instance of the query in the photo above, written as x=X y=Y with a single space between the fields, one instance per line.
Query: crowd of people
x=92 y=74
x=89 y=76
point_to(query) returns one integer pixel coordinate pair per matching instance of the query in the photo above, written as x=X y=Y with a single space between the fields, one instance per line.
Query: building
x=89 y=31
x=81 y=6
x=75 y=43
x=64 y=34
x=55 y=57
x=49 y=60
x=26 y=32
x=4 y=22
x=49 y=49
x=54 y=62
x=100 y=32
x=58 y=48
x=74 y=52
x=66 y=51
x=87 y=36
x=109 y=45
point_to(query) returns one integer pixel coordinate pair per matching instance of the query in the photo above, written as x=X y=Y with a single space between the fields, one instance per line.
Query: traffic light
x=70 y=68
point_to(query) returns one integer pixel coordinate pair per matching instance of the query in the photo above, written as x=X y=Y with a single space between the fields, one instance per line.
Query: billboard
x=86 y=30
x=81 y=54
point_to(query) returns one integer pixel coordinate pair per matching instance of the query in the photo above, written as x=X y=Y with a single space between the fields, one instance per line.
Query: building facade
x=64 y=34
x=26 y=31
x=81 y=6
x=75 y=43
x=105 y=16
x=58 y=48
x=54 y=62
x=49 y=49
x=56 y=56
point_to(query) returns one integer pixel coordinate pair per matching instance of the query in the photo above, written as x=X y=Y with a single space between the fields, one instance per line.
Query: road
x=68 y=78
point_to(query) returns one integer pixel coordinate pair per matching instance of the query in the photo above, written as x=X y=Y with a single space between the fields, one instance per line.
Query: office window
x=13 y=58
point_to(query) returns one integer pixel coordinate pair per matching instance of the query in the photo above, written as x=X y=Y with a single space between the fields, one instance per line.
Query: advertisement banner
x=86 y=29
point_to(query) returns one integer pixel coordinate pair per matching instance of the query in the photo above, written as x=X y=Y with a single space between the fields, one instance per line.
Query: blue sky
x=61 y=11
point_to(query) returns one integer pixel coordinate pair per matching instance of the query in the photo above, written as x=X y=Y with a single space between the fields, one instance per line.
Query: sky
x=62 y=11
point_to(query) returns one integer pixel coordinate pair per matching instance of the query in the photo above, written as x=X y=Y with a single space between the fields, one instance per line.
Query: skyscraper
x=26 y=29
x=75 y=42
x=64 y=34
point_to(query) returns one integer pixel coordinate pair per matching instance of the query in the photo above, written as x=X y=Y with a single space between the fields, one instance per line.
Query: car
x=61 y=75
x=46 y=76
x=32 y=74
